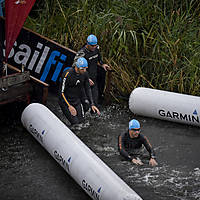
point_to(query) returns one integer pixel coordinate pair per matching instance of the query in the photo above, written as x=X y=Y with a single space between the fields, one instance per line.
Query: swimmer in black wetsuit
x=130 y=144
x=75 y=95
x=91 y=53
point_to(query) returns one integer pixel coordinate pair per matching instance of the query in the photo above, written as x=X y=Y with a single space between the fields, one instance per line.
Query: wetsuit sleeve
x=63 y=85
x=88 y=89
x=99 y=57
x=121 y=147
x=148 y=147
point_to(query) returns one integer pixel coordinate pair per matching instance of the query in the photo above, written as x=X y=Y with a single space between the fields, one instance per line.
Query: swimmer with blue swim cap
x=92 y=40
x=96 y=67
x=132 y=141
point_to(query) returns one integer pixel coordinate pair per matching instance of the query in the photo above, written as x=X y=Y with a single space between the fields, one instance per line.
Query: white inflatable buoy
x=165 y=105
x=87 y=169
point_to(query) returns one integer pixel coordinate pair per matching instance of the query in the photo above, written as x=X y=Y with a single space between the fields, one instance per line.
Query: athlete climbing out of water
x=75 y=96
x=130 y=144
x=96 y=68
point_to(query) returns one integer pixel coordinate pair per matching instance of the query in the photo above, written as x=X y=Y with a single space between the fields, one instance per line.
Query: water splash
x=167 y=182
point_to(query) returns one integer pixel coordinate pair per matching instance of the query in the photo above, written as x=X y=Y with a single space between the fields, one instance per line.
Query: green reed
x=147 y=43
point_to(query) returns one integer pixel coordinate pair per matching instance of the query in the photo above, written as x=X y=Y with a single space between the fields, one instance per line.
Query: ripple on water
x=106 y=151
x=167 y=182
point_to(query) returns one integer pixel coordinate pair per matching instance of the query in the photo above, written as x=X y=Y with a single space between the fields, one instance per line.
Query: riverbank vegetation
x=153 y=44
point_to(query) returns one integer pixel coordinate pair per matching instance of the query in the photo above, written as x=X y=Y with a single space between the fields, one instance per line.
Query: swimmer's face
x=134 y=132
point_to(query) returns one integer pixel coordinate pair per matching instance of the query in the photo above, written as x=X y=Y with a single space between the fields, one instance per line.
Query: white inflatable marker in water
x=165 y=105
x=87 y=169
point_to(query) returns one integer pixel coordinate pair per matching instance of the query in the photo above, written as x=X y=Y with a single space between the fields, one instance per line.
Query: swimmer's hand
x=152 y=162
x=72 y=110
x=137 y=161
x=95 y=110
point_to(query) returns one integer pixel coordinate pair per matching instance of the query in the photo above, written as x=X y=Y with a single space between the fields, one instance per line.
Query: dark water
x=27 y=171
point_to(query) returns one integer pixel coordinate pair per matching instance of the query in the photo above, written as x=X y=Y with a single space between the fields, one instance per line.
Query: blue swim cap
x=92 y=40
x=134 y=124
x=81 y=62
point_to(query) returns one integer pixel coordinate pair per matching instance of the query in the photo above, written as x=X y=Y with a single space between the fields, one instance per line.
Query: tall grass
x=147 y=43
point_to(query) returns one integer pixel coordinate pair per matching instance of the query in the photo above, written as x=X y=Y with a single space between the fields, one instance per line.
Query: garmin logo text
x=89 y=188
x=36 y=133
x=179 y=116
x=61 y=160
x=37 y=58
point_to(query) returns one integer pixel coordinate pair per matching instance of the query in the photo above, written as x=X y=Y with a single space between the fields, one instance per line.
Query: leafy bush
x=147 y=43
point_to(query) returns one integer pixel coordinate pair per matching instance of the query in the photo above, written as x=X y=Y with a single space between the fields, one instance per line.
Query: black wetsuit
x=75 y=90
x=128 y=147
x=96 y=74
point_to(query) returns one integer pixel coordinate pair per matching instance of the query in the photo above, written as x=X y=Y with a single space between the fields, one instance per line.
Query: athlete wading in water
x=75 y=96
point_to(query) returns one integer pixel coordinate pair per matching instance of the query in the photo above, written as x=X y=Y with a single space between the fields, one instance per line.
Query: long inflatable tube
x=165 y=105
x=87 y=169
